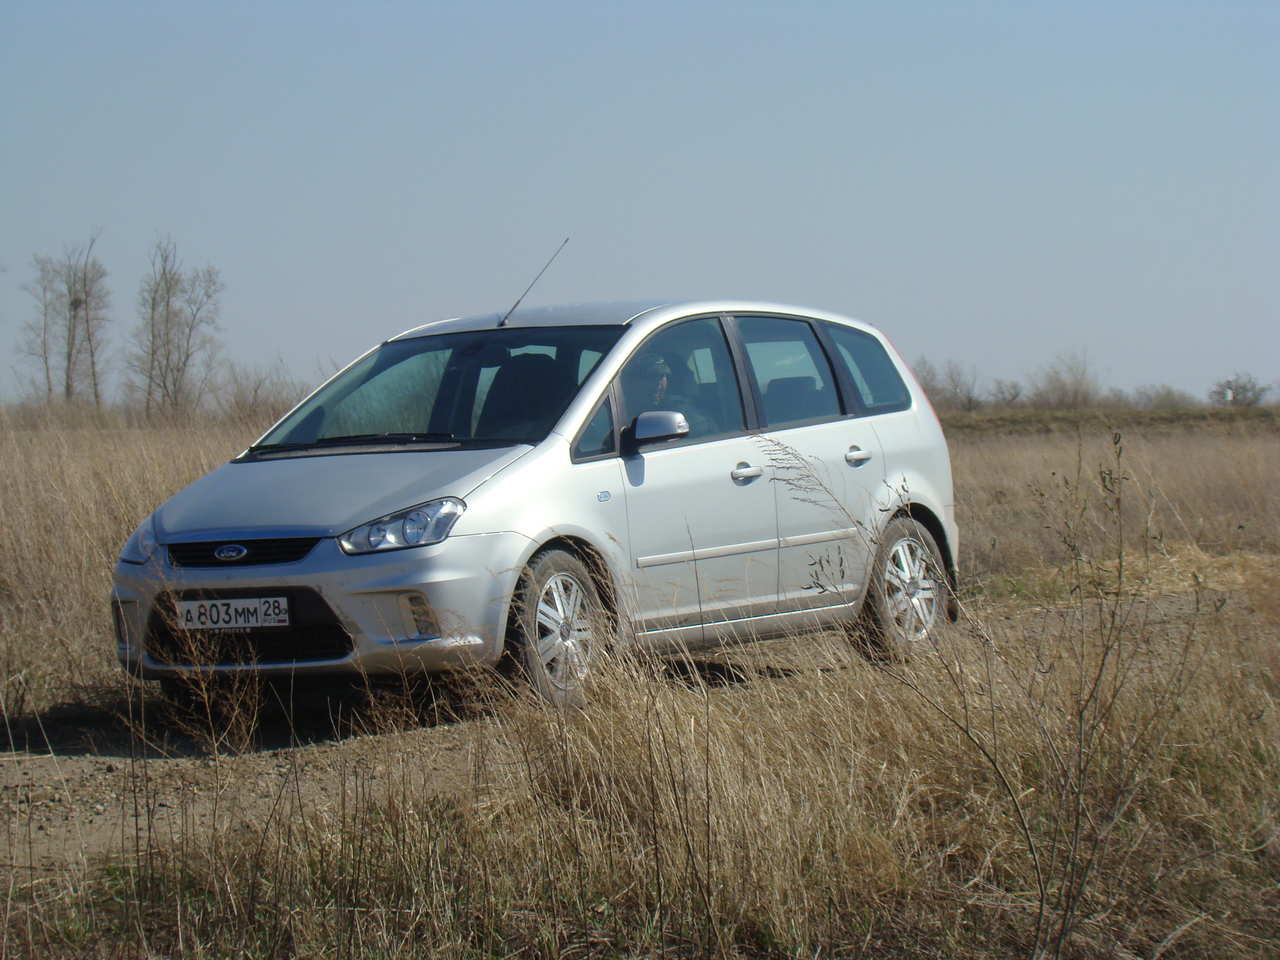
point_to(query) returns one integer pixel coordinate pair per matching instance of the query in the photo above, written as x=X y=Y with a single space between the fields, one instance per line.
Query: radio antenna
x=506 y=316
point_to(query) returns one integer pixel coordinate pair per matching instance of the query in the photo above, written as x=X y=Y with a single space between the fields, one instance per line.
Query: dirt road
x=93 y=780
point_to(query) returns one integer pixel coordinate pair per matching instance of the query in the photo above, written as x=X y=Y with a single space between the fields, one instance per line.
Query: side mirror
x=655 y=425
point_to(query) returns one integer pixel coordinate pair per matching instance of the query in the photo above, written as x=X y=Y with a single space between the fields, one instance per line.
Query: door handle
x=857 y=456
x=745 y=471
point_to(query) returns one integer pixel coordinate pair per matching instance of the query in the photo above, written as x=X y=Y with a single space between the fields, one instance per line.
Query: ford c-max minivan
x=553 y=482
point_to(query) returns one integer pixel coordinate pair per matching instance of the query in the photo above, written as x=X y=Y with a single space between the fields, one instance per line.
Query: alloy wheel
x=563 y=620
x=911 y=590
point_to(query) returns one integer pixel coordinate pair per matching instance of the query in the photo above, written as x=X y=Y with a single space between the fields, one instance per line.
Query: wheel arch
x=602 y=574
x=594 y=561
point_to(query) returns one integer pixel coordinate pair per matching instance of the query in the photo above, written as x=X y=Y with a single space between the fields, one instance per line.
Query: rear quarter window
x=879 y=386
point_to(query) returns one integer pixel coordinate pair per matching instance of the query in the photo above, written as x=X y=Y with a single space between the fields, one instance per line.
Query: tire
x=907 y=599
x=559 y=623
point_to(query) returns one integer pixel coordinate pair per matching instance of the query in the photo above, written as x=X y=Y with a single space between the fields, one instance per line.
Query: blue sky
x=990 y=183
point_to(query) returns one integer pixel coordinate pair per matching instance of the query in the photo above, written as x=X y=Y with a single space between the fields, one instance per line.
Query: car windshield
x=486 y=386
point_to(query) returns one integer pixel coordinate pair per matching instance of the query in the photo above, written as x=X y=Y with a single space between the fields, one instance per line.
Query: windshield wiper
x=363 y=438
x=352 y=440
x=277 y=447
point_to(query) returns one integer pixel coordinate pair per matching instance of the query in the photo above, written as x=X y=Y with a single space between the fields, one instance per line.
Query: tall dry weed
x=978 y=804
x=71 y=498
x=1215 y=492
x=1094 y=777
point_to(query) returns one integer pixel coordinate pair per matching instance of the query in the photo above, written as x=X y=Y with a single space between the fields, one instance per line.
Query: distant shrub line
x=1022 y=420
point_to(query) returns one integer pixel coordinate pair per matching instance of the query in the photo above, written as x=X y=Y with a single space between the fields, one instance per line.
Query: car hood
x=321 y=496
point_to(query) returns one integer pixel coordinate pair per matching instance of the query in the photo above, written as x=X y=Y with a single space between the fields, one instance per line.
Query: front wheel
x=908 y=594
x=558 y=620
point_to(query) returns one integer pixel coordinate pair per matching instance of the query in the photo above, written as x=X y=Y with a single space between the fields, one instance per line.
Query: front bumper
x=421 y=610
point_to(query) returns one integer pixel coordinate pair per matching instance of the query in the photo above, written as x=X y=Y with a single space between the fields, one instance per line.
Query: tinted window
x=687 y=368
x=792 y=372
x=508 y=384
x=874 y=376
x=596 y=438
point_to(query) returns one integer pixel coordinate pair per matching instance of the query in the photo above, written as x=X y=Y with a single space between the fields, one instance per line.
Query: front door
x=701 y=508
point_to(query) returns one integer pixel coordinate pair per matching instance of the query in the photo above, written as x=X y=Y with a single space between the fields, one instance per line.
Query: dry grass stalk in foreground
x=952 y=813
x=1100 y=780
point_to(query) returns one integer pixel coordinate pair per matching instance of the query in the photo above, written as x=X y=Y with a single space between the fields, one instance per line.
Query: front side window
x=687 y=368
x=792 y=372
x=500 y=386
x=879 y=386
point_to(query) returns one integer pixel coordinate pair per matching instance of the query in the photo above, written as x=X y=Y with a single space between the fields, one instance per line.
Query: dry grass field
x=1087 y=764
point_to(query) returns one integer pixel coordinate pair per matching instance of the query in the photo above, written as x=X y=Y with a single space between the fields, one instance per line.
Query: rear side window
x=874 y=376
x=793 y=374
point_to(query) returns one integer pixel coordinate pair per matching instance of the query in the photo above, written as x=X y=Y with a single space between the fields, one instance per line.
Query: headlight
x=141 y=543
x=415 y=527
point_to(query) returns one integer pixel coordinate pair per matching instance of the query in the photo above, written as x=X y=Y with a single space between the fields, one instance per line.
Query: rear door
x=883 y=403
x=827 y=465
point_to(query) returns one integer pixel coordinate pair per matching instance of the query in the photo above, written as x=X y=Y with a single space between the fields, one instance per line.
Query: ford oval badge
x=231 y=551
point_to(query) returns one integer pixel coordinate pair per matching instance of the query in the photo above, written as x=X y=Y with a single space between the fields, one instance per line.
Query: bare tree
x=158 y=298
x=1006 y=393
x=66 y=337
x=257 y=395
x=90 y=300
x=40 y=332
x=1117 y=398
x=1067 y=382
x=929 y=379
x=1238 y=390
x=954 y=388
x=175 y=342
x=960 y=387
x=1162 y=396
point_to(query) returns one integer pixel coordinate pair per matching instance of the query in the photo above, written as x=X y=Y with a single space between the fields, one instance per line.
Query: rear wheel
x=908 y=594
x=559 y=622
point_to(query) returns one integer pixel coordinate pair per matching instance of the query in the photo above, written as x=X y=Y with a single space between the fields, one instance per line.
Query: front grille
x=314 y=632
x=282 y=550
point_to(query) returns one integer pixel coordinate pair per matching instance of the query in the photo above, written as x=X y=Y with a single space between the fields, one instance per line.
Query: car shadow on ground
x=695 y=673
x=139 y=721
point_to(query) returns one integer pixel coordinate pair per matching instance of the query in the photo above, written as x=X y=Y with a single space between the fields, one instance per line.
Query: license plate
x=233 y=614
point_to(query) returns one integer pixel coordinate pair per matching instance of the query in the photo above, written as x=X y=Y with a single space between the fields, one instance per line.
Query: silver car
x=546 y=484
